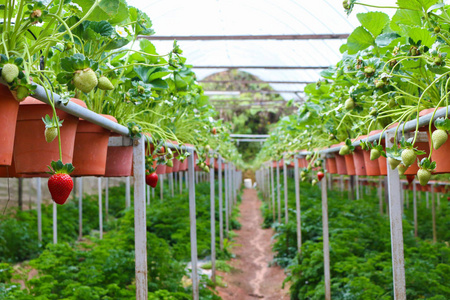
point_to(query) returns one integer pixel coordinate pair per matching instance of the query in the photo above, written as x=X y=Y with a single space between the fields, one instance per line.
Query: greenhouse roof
x=247 y=17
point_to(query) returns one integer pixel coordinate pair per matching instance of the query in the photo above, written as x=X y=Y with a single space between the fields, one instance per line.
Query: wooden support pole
x=127 y=192
x=193 y=226
x=278 y=192
x=297 y=206
x=39 y=207
x=140 y=219
x=219 y=162
x=285 y=175
x=395 y=214
x=80 y=207
x=100 y=208
x=326 y=244
x=212 y=188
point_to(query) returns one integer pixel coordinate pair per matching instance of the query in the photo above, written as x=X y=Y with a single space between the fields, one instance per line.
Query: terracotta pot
x=302 y=163
x=331 y=165
x=169 y=169
x=9 y=108
x=91 y=147
x=32 y=154
x=161 y=169
x=358 y=160
x=176 y=165
x=349 y=164
x=372 y=166
x=382 y=164
x=184 y=165
x=440 y=156
x=9 y=171
x=340 y=165
x=119 y=162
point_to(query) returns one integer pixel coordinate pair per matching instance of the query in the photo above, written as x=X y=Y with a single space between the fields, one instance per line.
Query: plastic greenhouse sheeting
x=262 y=17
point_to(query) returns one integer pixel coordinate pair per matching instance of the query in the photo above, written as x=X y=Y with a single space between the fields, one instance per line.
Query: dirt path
x=252 y=278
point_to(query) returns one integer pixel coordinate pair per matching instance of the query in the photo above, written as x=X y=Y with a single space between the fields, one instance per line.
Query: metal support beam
x=127 y=192
x=106 y=198
x=395 y=213
x=193 y=225
x=39 y=207
x=415 y=208
x=255 y=82
x=264 y=67
x=227 y=202
x=80 y=207
x=327 y=36
x=140 y=221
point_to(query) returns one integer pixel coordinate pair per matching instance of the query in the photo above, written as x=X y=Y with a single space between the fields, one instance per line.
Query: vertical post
x=55 y=224
x=192 y=219
x=148 y=194
x=161 y=187
x=285 y=175
x=415 y=208
x=38 y=207
x=426 y=199
x=433 y=215
x=380 y=195
x=106 y=198
x=395 y=214
x=186 y=179
x=20 y=190
x=220 y=202
x=140 y=222
x=357 y=187
x=273 y=190
x=127 y=192
x=180 y=178
x=341 y=177
x=212 y=187
x=326 y=246
x=227 y=203
x=80 y=207
x=278 y=192
x=297 y=205
x=100 y=208
x=171 y=183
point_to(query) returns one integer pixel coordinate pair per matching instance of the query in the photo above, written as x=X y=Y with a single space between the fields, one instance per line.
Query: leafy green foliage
x=360 y=249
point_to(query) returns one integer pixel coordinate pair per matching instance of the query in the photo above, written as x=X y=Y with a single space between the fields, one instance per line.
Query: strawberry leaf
x=442 y=123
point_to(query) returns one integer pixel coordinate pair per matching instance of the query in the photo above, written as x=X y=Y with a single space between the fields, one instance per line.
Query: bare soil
x=252 y=277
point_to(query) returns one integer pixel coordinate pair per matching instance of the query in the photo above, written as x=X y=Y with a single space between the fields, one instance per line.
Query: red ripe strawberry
x=320 y=175
x=214 y=130
x=162 y=150
x=410 y=178
x=151 y=179
x=60 y=185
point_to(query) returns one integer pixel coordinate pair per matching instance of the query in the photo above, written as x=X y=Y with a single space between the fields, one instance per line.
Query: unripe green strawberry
x=369 y=70
x=349 y=104
x=85 y=80
x=10 y=72
x=401 y=169
x=169 y=163
x=314 y=182
x=50 y=134
x=206 y=169
x=105 y=84
x=21 y=93
x=439 y=138
x=437 y=29
x=408 y=157
x=393 y=162
x=374 y=154
x=424 y=176
x=344 y=150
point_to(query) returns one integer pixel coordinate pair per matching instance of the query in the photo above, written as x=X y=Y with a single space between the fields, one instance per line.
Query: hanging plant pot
x=184 y=165
x=372 y=166
x=331 y=165
x=32 y=154
x=358 y=160
x=91 y=147
x=349 y=164
x=176 y=164
x=119 y=161
x=9 y=107
x=340 y=165
x=9 y=171
x=424 y=146
x=302 y=163
x=161 y=169
x=169 y=169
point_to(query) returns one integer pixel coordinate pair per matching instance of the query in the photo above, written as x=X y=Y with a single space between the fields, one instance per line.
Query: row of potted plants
x=392 y=70
x=88 y=52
